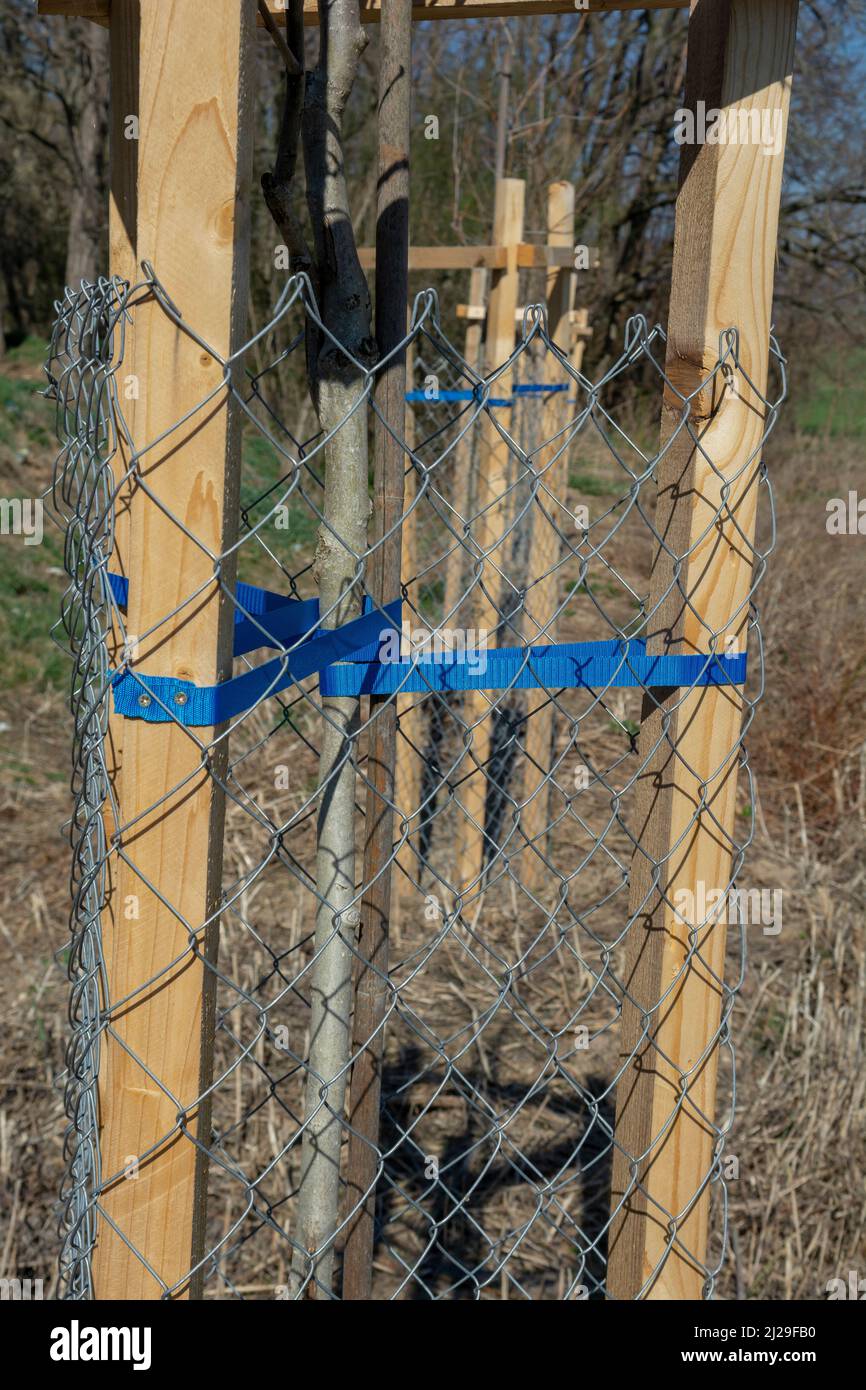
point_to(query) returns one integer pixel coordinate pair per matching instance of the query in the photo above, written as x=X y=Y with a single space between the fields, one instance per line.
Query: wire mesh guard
x=529 y=518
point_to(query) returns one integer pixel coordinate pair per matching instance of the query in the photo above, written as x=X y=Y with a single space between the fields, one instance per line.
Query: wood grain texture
x=542 y=600
x=123 y=263
x=192 y=224
x=740 y=54
x=489 y=527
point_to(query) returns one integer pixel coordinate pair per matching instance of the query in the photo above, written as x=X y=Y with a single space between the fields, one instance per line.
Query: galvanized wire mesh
x=505 y=985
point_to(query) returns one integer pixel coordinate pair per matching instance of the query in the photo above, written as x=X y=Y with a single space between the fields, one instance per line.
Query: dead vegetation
x=501 y=1121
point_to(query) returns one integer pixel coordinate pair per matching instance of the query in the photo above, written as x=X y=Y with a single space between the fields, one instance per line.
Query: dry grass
x=798 y=1206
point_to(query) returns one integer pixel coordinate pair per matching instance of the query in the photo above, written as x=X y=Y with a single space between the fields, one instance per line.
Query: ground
x=797 y=1197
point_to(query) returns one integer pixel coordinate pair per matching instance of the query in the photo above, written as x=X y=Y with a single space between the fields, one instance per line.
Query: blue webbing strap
x=563 y=666
x=143 y=697
x=287 y=618
x=530 y=389
x=456 y=396
x=560 y=666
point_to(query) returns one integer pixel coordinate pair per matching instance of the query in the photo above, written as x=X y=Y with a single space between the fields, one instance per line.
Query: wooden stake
x=543 y=596
x=740 y=56
x=122 y=243
x=193 y=188
x=455 y=565
x=489 y=532
x=411 y=710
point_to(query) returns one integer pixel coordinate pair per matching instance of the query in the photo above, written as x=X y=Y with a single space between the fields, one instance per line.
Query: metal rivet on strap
x=181 y=697
x=144 y=701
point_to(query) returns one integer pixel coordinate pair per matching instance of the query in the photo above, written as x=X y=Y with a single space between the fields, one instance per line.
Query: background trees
x=592 y=99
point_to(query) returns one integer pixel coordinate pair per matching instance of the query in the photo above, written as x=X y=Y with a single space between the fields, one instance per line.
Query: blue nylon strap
x=357 y=645
x=144 y=697
x=529 y=389
x=534 y=389
x=566 y=665
x=456 y=396
x=279 y=621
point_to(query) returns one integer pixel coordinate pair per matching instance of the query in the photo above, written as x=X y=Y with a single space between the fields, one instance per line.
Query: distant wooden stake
x=740 y=56
x=542 y=599
x=412 y=711
x=489 y=530
x=461 y=490
x=193 y=189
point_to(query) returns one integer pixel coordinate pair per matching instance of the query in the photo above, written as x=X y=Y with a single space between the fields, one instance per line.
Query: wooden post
x=371 y=972
x=740 y=56
x=122 y=243
x=455 y=565
x=411 y=714
x=193 y=206
x=490 y=526
x=546 y=549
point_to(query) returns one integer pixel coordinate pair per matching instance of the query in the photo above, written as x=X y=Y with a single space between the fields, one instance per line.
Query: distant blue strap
x=529 y=389
x=456 y=396
x=563 y=666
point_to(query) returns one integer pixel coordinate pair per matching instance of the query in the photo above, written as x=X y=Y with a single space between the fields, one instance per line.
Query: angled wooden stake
x=542 y=600
x=193 y=190
x=489 y=531
x=740 y=59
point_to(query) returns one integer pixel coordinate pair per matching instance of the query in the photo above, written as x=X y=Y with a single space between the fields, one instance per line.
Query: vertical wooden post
x=490 y=525
x=582 y=332
x=455 y=565
x=543 y=596
x=123 y=263
x=193 y=209
x=411 y=714
x=371 y=973
x=740 y=57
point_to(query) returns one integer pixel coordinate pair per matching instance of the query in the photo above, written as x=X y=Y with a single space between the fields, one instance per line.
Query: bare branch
x=293 y=67
x=278 y=186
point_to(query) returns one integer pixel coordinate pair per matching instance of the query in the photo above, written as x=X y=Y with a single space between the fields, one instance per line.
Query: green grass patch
x=834 y=402
x=30 y=352
x=592 y=486
x=29 y=608
x=290 y=531
x=26 y=417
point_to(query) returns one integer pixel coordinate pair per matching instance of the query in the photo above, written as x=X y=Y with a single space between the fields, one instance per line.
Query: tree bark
x=84 y=253
x=337 y=382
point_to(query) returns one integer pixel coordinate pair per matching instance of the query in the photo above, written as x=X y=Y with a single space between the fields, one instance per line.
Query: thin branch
x=293 y=67
x=278 y=185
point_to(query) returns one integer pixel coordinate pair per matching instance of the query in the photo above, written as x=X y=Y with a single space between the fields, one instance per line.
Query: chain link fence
x=529 y=522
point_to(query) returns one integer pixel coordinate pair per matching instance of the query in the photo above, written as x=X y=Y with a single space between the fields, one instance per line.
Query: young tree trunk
x=336 y=385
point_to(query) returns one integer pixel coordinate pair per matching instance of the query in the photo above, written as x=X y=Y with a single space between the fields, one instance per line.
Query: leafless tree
x=313 y=122
x=55 y=104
